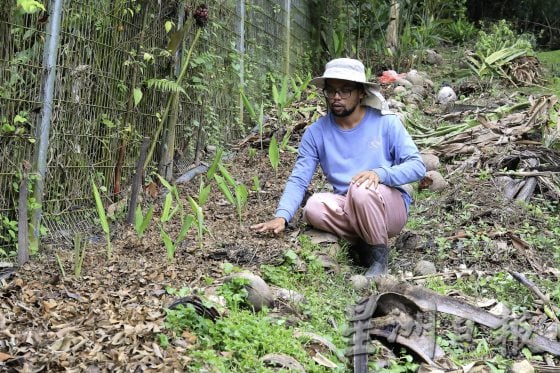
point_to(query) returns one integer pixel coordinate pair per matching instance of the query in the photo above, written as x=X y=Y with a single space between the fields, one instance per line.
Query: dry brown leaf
x=322 y=360
x=49 y=305
x=4 y=356
x=157 y=350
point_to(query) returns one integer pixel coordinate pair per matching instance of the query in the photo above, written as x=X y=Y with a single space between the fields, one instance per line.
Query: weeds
x=79 y=254
x=102 y=217
x=170 y=245
x=240 y=193
x=274 y=153
x=243 y=337
x=141 y=221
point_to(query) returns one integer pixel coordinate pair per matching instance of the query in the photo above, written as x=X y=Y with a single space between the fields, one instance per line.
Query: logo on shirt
x=374 y=144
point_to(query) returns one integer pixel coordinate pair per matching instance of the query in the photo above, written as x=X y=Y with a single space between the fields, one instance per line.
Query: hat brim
x=319 y=82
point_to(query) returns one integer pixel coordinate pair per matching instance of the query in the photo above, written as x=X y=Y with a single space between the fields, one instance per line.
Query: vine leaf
x=165 y=85
x=137 y=96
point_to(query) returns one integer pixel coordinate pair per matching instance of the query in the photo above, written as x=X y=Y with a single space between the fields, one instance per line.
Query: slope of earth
x=110 y=318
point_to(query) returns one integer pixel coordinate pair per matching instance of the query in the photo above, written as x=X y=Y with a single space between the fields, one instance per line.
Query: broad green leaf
x=241 y=198
x=274 y=153
x=169 y=246
x=166 y=214
x=138 y=218
x=199 y=219
x=256 y=184
x=30 y=6
x=204 y=194
x=185 y=228
x=248 y=105
x=215 y=162
x=175 y=210
x=241 y=194
x=102 y=216
x=137 y=96
x=148 y=57
x=224 y=188
x=225 y=173
x=164 y=182
x=146 y=220
x=100 y=208
x=168 y=26
x=19 y=119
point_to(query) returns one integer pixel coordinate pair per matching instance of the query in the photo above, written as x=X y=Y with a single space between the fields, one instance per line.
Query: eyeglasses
x=343 y=92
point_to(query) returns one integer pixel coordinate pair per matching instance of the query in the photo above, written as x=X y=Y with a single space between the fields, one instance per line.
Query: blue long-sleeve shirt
x=379 y=143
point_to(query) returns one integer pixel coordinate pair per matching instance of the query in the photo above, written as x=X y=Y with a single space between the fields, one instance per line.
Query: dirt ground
x=110 y=318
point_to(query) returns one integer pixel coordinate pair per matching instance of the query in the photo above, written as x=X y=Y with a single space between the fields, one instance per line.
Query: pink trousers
x=373 y=215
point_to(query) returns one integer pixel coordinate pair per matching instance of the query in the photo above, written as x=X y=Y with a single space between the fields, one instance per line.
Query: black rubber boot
x=374 y=257
x=378 y=260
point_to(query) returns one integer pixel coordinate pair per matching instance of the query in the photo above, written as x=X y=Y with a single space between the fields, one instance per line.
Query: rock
x=424 y=267
x=403 y=82
x=318 y=237
x=395 y=104
x=433 y=57
x=259 y=294
x=429 y=83
x=359 y=282
x=419 y=90
x=522 y=367
x=290 y=296
x=446 y=95
x=408 y=188
x=399 y=90
x=415 y=78
x=413 y=98
x=282 y=361
x=408 y=241
x=500 y=310
x=327 y=262
x=431 y=161
x=433 y=181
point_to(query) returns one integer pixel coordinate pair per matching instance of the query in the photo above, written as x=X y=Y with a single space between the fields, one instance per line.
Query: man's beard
x=344 y=113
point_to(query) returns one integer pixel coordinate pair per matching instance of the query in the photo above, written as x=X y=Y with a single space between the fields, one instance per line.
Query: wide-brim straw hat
x=343 y=69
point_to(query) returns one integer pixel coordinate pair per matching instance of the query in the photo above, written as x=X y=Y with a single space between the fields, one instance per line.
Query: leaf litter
x=110 y=318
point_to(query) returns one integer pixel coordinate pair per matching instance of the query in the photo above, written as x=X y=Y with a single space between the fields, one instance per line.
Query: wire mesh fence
x=107 y=51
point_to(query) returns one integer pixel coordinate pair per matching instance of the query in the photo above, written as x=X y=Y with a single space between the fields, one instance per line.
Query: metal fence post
x=288 y=35
x=50 y=55
x=241 y=50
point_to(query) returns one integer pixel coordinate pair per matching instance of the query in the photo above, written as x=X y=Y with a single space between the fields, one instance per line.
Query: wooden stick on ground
x=535 y=290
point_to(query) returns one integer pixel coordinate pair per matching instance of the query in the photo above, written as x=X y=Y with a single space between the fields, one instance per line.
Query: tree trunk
x=392 y=36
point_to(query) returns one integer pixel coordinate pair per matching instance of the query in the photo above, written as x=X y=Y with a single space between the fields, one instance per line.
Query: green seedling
x=256 y=114
x=79 y=254
x=274 y=153
x=170 y=245
x=172 y=193
x=214 y=166
x=241 y=194
x=256 y=184
x=102 y=217
x=198 y=219
x=203 y=192
x=240 y=190
x=222 y=185
x=60 y=266
x=141 y=221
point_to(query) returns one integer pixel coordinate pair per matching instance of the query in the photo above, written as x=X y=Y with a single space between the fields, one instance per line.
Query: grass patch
x=551 y=62
x=237 y=341
x=240 y=338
